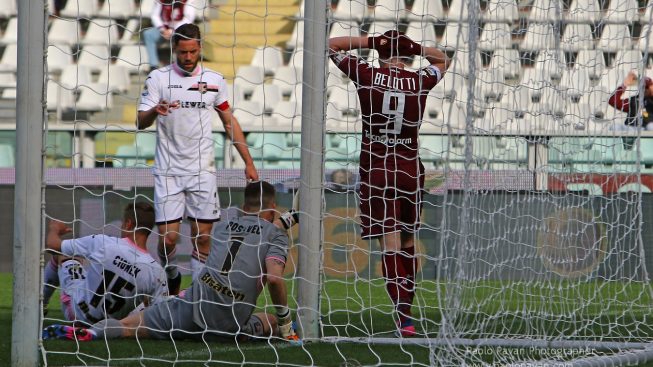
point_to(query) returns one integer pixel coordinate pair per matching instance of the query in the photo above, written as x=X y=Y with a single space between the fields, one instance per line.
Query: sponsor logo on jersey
x=221 y=288
x=204 y=87
x=189 y=104
x=174 y=86
x=387 y=140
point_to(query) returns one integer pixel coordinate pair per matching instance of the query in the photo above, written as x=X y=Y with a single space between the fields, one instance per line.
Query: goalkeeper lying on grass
x=247 y=252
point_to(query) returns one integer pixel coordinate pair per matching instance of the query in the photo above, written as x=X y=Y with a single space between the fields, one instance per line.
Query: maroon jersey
x=392 y=103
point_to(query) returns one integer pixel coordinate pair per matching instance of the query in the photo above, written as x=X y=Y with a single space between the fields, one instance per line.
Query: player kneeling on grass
x=246 y=252
x=106 y=277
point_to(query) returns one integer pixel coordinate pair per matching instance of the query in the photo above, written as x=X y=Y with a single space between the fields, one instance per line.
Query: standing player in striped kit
x=182 y=99
x=392 y=103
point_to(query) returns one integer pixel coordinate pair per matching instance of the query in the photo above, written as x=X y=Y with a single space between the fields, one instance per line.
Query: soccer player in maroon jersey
x=392 y=103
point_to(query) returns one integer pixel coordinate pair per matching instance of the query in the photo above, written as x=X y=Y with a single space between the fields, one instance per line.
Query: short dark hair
x=259 y=194
x=142 y=214
x=187 y=31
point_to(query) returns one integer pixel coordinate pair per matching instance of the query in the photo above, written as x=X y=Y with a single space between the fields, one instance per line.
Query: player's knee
x=169 y=240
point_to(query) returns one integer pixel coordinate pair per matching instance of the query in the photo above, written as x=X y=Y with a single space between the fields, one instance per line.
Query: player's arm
x=337 y=44
x=235 y=133
x=56 y=230
x=279 y=295
x=189 y=12
x=147 y=117
x=436 y=57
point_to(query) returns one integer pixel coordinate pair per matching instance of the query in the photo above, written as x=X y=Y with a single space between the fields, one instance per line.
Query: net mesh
x=532 y=240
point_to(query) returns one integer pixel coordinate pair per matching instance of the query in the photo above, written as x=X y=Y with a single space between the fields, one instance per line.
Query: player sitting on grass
x=107 y=277
x=247 y=252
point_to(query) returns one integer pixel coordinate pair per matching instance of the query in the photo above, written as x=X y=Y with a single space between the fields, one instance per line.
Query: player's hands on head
x=164 y=107
x=394 y=44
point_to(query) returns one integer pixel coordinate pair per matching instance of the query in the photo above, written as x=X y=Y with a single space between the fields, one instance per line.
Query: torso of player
x=185 y=144
x=119 y=276
x=392 y=104
x=236 y=264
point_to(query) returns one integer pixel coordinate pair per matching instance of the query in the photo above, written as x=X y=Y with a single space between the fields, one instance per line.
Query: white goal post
x=534 y=245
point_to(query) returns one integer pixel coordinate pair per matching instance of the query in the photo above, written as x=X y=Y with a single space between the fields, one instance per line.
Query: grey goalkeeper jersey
x=224 y=293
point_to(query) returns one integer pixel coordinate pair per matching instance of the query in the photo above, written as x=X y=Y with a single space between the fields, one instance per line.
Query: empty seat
x=8 y=80
x=344 y=98
x=101 y=32
x=58 y=98
x=350 y=10
x=7 y=159
x=9 y=58
x=297 y=58
x=596 y=99
x=422 y=33
x=451 y=86
x=504 y=11
x=95 y=57
x=116 y=77
x=11 y=32
x=344 y=28
x=393 y=10
x=296 y=39
x=577 y=37
x=534 y=80
x=270 y=58
x=288 y=110
x=80 y=9
x=614 y=37
x=456 y=36
x=128 y=156
x=539 y=36
x=145 y=8
x=248 y=111
x=490 y=83
x=377 y=28
x=628 y=60
x=645 y=42
x=8 y=8
x=548 y=11
x=131 y=32
x=59 y=56
x=551 y=102
x=454 y=114
x=288 y=78
x=584 y=11
x=94 y=98
x=551 y=63
x=622 y=11
x=133 y=57
x=426 y=10
x=592 y=61
x=516 y=98
x=508 y=61
x=495 y=36
x=74 y=75
x=248 y=77
x=268 y=95
x=64 y=31
x=459 y=12
x=146 y=143
x=575 y=81
x=460 y=62
x=117 y=9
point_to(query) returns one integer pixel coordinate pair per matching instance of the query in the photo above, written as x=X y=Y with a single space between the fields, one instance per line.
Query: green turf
x=362 y=309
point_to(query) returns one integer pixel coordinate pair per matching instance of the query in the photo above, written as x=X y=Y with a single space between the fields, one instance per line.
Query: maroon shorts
x=390 y=201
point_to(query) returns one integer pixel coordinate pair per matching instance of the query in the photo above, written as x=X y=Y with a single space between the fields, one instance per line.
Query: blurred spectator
x=631 y=106
x=342 y=179
x=166 y=16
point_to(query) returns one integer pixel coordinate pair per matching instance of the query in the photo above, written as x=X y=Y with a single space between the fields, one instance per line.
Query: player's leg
x=74 y=291
x=378 y=220
x=151 y=38
x=202 y=210
x=260 y=325
x=50 y=281
x=169 y=210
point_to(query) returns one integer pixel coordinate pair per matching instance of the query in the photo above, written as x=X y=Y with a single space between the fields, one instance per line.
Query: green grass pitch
x=347 y=311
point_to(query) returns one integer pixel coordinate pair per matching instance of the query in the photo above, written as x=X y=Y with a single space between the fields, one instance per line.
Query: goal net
x=533 y=241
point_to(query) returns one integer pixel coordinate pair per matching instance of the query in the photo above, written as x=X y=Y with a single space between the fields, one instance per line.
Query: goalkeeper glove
x=287 y=330
x=289 y=218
